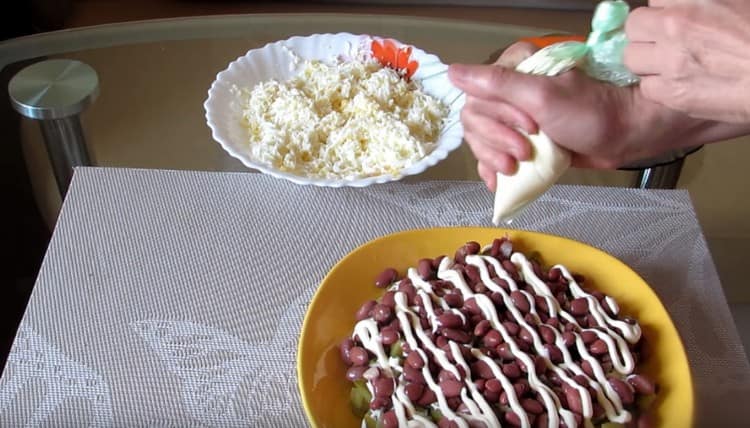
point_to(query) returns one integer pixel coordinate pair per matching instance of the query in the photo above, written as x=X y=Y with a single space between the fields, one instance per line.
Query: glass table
x=154 y=76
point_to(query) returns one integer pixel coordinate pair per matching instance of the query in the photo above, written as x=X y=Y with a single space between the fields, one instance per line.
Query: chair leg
x=660 y=177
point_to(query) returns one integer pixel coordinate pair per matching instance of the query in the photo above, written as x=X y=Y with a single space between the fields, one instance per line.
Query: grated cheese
x=347 y=120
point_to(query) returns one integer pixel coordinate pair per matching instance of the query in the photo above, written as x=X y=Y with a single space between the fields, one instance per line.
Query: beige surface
x=150 y=115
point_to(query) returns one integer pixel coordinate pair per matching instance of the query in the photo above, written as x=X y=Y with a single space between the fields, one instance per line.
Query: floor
x=76 y=13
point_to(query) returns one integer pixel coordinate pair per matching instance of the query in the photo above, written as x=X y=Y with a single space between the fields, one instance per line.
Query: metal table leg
x=55 y=92
x=660 y=177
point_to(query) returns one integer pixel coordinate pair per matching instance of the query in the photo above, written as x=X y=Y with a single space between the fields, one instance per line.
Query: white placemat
x=175 y=298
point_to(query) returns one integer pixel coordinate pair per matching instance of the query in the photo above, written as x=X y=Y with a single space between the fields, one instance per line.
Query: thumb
x=491 y=82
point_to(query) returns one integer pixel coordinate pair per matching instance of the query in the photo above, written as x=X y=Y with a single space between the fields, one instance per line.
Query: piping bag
x=600 y=57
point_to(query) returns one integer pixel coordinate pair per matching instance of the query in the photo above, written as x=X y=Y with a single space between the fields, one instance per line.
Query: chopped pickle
x=397 y=350
x=360 y=398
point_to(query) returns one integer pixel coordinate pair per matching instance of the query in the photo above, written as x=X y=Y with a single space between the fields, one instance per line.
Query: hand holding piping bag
x=600 y=57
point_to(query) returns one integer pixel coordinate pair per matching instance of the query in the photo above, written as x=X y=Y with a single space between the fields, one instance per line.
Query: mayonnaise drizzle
x=615 y=333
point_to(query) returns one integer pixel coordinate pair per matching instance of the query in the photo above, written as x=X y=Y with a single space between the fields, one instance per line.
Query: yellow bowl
x=330 y=317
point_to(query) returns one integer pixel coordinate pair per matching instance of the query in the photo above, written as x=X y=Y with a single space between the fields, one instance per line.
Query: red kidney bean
x=424 y=268
x=562 y=298
x=539 y=365
x=503 y=399
x=502 y=283
x=598 y=295
x=573 y=398
x=446 y=375
x=606 y=366
x=523 y=346
x=428 y=397
x=460 y=256
x=406 y=287
x=472 y=247
x=451 y=388
x=365 y=310
x=511 y=327
x=454 y=300
x=520 y=301
x=450 y=320
x=588 y=369
x=359 y=356
x=355 y=373
x=569 y=338
x=493 y=385
x=581 y=380
x=541 y=304
x=530 y=319
x=554 y=274
x=579 y=306
x=382 y=313
x=481 y=328
x=415 y=360
x=378 y=403
x=589 y=337
x=492 y=339
x=542 y=421
x=525 y=335
x=457 y=335
x=642 y=384
x=480 y=383
x=512 y=370
x=389 y=336
x=389 y=299
x=424 y=323
x=491 y=396
x=344 y=348
x=472 y=274
x=553 y=322
x=413 y=391
x=555 y=354
x=441 y=341
x=532 y=406
x=521 y=387
x=389 y=419
x=591 y=321
x=554 y=378
x=599 y=347
x=472 y=306
x=512 y=418
x=383 y=387
x=597 y=411
x=473 y=320
x=504 y=351
x=482 y=370
x=413 y=375
x=509 y=267
x=623 y=390
x=480 y=288
x=497 y=299
x=547 y=333
x=395 y=324
x=386 y=278
x=447 y=423
x=436 y=262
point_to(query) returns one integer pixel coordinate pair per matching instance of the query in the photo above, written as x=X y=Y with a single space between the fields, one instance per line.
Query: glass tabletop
x=154 y=77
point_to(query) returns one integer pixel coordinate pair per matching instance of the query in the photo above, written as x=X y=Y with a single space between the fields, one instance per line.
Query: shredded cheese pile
x=347 y=120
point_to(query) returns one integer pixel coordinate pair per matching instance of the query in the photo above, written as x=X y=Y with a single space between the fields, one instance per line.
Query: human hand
x=587 y=117
x=693 y=56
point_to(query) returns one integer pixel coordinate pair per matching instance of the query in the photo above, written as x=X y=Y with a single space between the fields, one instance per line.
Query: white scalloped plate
x=274 y=61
